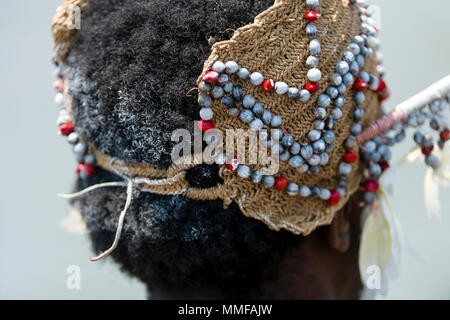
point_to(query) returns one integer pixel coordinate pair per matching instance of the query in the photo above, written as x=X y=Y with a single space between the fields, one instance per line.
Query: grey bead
x=292 y=189
x=343 y=180
x=204 y=100
x=80 y=148
x=350 y=142
x=336 y=113
x=244 y=171
x=314 y=135
x=390 y=141
x=277 y=134
x=266 y=117
x=243 y=73
x=329 y=136
x=204 y=86
x=218 y=66
x=315 y=191
x=364 y=76
x=314 y=161
x=304 y=95
x=345 y=168
x=427 y=141
x=359 y=97
x=304 y=191
x=378 y=140
x=256 y=176
x=314 y=47
x=354 y=67
x=206 y=114
x=381 y=149
x=387 y=156
x=400 y=136
x=374 y=83
x=342 y=89
x=320 y=113
x=339 y=102
x=418 y=137
x=358 y=40
x=73 y=138
x=223 y=79
x=89 y=159
x=268 y=181
x=358 y=114
x=375 y=170
x=256 y=78
x=287 y=141
x=234 y=112
x=228 y=87
x=293 y=93
x=247 y=116
x=323 y=100
x=375 y=156
x=360 y=60
x=227 y=101
x=314 y=171
x=342 y=67
x=217 y=92
x=296 y=161
x=353 y=47
x=248 y=102
x=307 y=152
x=348 y=79
x=319 y=125
x=295 y=148
x=258 y=109
x=370 y=146
x=311 y=30
x=341 y=191
x=336 y=79
x=285 y=156
x=238 y=93
x=281 y=87
x=330 y=124
x=369 y=197
x=256 y=125
x=314 y=75
x=303 y=168
x=325 y=194
x=276 y=122
x=319 y=146
x=312 y=62
x=312 y=3
x=332 y=92
x=231 y=67
x=329 y=148
x=348 y=56
x=324 y=158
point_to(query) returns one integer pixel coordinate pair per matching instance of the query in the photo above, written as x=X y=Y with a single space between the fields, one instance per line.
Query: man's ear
x=339 y=232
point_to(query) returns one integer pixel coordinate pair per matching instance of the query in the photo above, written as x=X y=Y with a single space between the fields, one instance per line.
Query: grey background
x=37 y=164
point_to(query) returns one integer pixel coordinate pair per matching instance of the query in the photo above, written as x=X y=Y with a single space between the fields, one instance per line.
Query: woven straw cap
x=276 y=46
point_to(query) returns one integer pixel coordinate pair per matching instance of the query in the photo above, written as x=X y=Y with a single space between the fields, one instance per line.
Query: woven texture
x=275 y=45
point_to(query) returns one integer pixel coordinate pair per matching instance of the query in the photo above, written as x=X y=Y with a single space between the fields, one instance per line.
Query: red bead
x=233 y=165
x=66 y=129
x=312 y=87
x=445 y=135
x=80 y=168
x=384 y=165
x=280 y=183
x=382 y=86
x=350 y=157
x=334 y=198
x=89 y=169
x=360 y=85
x=312 y=15
x=371 y=185
x=211 y=77
x=59 y=86
x=268 y=85
x=384 y=96
x=427 y=151
x=205 y=125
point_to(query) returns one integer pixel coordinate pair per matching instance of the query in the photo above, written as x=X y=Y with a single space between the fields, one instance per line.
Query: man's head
x=129 y=70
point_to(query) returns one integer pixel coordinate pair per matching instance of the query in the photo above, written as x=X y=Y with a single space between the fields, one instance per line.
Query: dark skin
x=324 y=266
